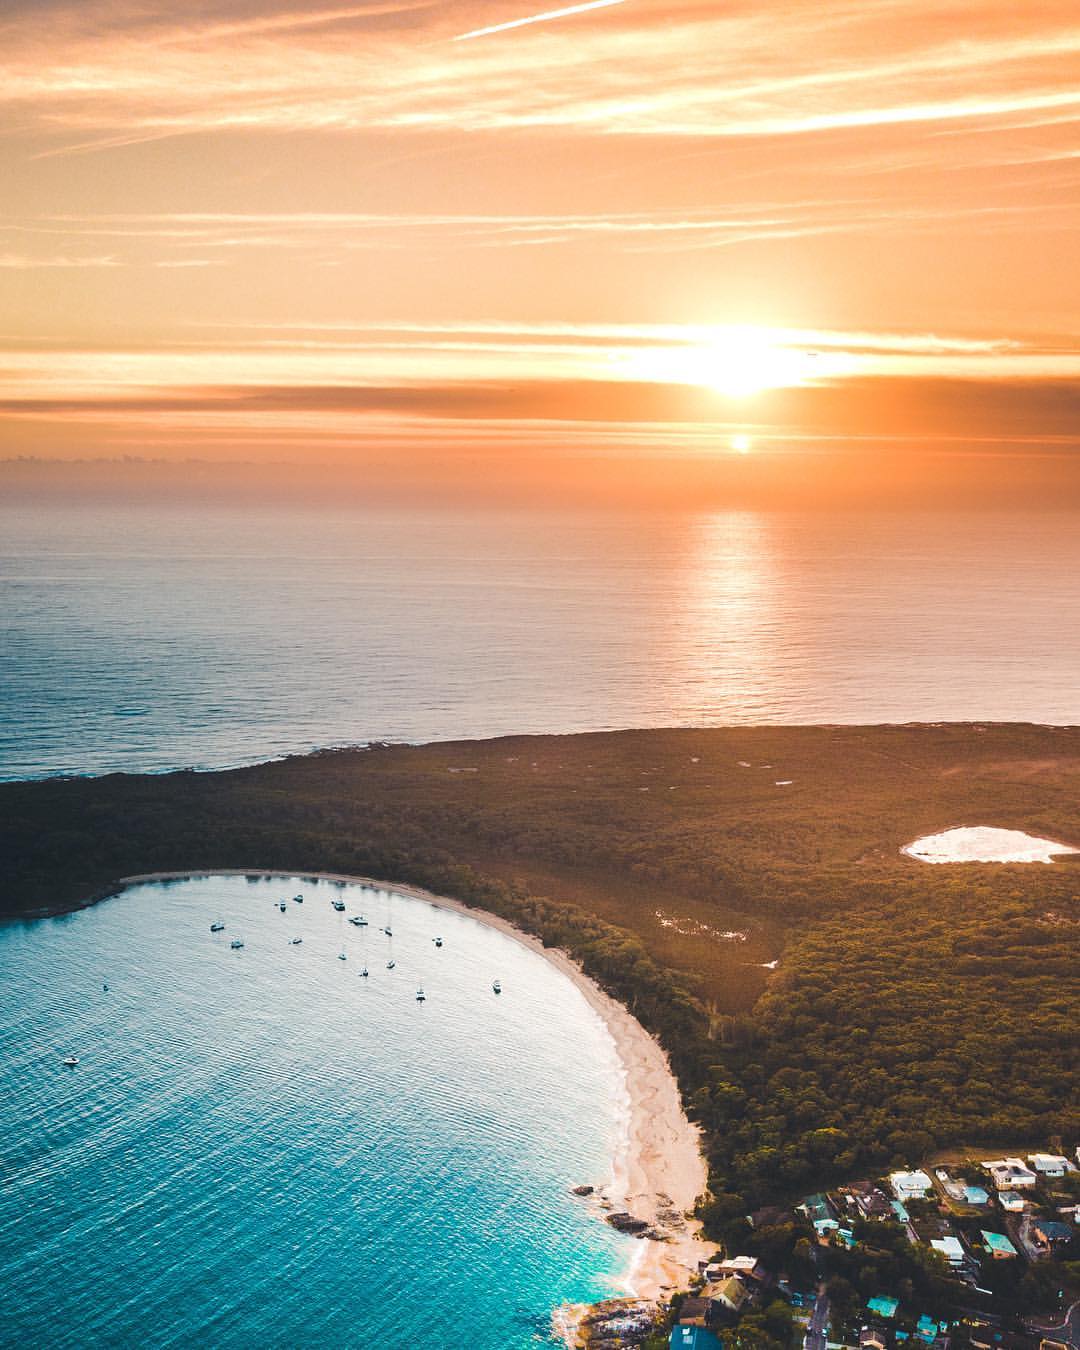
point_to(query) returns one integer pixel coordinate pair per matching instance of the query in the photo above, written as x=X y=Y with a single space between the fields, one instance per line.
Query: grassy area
x=913 y=1006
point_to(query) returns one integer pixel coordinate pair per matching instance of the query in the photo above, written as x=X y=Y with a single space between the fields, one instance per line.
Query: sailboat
x=496 y=986
x=420 y=995
x=364 y=973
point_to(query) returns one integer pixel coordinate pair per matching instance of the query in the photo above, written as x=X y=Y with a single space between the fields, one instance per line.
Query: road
x=1068 y=1329
x=817 y=1332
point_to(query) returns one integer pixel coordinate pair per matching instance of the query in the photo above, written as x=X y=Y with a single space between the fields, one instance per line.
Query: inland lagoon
x=262 y=1145
x=984 y=844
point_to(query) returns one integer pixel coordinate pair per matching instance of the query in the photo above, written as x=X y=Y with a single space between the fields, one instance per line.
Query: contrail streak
x=537 y=18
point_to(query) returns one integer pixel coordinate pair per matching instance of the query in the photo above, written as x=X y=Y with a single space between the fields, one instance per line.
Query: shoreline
x=658 y=1170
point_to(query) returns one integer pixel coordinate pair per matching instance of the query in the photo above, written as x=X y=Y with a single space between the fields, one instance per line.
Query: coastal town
x=978 y=1251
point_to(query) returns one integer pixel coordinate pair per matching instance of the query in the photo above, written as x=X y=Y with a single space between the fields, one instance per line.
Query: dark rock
x=582 y=1190
x=626 y=1223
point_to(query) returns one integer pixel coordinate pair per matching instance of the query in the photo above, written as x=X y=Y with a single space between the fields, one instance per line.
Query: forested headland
x=912 y=1008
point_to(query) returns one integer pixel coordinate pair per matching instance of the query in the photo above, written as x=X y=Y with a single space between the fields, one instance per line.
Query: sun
x=741 y=444
x=736 y=362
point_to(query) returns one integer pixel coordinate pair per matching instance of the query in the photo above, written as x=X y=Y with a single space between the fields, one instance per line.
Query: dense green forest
x=913 y=1008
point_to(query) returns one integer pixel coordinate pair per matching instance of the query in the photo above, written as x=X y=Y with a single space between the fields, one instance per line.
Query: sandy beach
x=658 y=1170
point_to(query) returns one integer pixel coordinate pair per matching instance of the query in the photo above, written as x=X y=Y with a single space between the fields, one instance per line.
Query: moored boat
x=236 y=943
x=420 y=995
x=496 y=986
x=70 y=1061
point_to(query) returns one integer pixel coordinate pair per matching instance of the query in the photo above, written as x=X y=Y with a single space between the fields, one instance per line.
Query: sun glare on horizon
x=736 y=362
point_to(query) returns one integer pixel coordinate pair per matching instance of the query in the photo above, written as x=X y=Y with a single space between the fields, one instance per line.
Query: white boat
x=281 y=906
x=341 y=956
x=71 y=1061
x=217 y=927
x=496 y=986
x=359 y=921
x=236 y=944
x=387 y=931
x=339 y=905
x=420 y=995
x=438 y=942
x=295 y=942
x=390 y=965
x=364 y=973
x=299 y=899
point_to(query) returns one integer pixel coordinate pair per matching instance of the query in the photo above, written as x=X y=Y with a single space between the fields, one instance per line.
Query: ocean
x=261 y=1147
x=147 y=636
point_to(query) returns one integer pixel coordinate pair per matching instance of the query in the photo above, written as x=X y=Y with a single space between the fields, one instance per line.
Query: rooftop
x=693 y=1338
x=998 y=1243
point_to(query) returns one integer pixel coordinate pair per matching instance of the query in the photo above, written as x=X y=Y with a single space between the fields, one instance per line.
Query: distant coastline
x=658 y=1169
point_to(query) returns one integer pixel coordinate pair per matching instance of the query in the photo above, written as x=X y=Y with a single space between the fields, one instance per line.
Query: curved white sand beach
x=658 y=1170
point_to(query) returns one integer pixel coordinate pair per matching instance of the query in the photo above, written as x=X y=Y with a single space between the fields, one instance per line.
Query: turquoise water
x=152 y=636
x=259 y=1147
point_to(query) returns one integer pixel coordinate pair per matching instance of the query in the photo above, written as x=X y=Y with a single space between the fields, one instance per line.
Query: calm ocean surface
x=151 y=637
x=260 y=1147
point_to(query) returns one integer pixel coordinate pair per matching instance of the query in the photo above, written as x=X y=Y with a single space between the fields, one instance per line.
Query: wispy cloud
x=546 y=17
x=642 y=69
x=28 y=262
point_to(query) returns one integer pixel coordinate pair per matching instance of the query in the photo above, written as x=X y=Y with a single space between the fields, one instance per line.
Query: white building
x=1010 y=1174
x=910 y=1185
x=1049 y=1164
x=1011 y=1201
x=950 y=1249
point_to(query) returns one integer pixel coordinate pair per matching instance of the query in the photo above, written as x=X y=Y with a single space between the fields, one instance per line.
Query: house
x=932 y=1229
x=975 y=1195
x=998 y=1245
x=693 y=1338
x=816 y=1208
x=735 y=1265
x=910 y=1185
x=1010 y=1174
x=872 y=1338
x=1049 y=1231
x=1049 y=1164
x=731 y=1293
x=695 y=1312
x=1011 y=1202
x=950 y=1249
x=874 y=1204
x=883 y=1306
x=769 y=1217
x=926 y=1329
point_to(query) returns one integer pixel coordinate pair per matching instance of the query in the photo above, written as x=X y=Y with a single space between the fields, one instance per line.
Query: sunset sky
x=630 y=242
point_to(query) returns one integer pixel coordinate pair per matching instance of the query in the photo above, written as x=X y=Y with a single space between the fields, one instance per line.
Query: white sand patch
x=984 y=843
